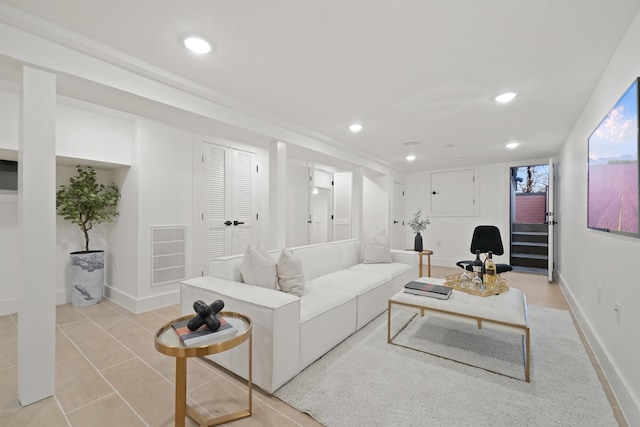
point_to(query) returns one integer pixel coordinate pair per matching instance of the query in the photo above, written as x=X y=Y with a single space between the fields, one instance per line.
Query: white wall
x=163 y=159
x=375 y=204
x=87 y=135
x=9 y=254
x=297 y=202
x=590 y=258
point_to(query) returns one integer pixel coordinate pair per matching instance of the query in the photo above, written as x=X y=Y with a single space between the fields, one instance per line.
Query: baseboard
x=140 y=305
x=628 y=404
x=12 y=305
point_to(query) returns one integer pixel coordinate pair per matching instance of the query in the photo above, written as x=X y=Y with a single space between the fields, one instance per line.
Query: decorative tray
x=463 y=284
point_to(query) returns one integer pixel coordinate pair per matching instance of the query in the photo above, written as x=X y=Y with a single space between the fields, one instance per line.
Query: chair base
x=500 y=268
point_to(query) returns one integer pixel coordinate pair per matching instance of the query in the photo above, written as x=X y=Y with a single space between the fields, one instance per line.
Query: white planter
x=86 y=277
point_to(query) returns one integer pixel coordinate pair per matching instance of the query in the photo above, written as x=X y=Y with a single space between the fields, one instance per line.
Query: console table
x=167 y=342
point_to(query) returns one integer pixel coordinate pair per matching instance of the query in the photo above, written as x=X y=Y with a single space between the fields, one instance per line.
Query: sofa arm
x=275 y=318
x=406 y=257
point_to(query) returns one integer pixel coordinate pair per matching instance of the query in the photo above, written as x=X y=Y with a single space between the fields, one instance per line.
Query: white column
x=357 y=200
x=277 y=193
x=37 y=219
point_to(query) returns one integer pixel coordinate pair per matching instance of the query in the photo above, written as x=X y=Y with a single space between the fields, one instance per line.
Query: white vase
x=86 y=277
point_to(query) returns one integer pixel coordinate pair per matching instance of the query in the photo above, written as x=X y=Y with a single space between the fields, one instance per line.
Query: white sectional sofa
x=341 y=295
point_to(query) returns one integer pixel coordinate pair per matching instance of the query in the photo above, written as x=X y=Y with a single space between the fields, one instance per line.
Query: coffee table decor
x=462 y=282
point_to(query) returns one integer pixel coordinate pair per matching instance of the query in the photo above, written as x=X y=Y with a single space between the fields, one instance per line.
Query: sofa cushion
x=388 y=269
x=318 y=300
x=259 y=268
x=318 y=260
x=351 y=281
x=349 y=251
x=290 y=274
x=376 y=248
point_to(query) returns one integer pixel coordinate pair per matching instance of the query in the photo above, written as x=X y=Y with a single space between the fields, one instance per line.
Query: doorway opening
x=529 y=212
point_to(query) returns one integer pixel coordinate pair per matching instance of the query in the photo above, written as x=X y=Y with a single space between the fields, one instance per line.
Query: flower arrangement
x=417 y=224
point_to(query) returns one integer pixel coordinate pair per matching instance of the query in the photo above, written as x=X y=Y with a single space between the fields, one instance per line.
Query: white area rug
x=366 y=382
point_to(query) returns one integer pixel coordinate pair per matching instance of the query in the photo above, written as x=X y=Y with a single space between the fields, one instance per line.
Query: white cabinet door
x=454 y=193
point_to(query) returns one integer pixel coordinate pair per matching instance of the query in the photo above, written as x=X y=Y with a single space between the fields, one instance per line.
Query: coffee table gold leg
x=181 y=391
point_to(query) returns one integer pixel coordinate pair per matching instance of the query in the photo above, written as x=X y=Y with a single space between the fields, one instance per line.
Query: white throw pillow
x=376 y=249
x=258 y=268
x=290 y=274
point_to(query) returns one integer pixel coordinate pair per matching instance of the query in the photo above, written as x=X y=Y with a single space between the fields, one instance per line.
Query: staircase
x=529 y=246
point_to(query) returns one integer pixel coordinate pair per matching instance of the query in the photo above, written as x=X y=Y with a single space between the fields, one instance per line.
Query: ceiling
x=417 y=72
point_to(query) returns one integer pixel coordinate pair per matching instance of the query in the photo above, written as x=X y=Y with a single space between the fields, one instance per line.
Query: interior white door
x=320 y=206
x=341 y=205
x=398 y=229
x=245 y=201
x=551 y=221
x=229 y=200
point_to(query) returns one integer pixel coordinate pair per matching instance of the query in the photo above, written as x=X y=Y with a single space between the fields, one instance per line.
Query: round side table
x=167 y=342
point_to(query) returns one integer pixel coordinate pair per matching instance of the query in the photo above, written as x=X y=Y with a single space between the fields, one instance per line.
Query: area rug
x=366 y=382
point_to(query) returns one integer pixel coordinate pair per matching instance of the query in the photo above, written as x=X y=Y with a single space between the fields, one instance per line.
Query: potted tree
x=87 y=203
x=418 y=225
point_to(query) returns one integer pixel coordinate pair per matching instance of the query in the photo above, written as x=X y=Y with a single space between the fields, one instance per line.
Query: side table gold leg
x=181 y=391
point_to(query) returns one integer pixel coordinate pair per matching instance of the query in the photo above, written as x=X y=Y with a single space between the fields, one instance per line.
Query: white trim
x=141 y=305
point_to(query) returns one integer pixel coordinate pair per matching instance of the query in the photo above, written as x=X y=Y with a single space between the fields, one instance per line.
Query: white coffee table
x=505 y=312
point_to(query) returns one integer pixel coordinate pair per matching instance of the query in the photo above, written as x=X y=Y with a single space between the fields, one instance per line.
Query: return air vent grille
x=168 y=254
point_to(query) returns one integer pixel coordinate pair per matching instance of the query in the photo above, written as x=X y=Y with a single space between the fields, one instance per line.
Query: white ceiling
x=423 y=71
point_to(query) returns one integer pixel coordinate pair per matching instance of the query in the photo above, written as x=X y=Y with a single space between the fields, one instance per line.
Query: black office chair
x=486 y=238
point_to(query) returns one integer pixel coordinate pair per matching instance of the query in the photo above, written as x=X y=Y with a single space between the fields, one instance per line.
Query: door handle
x=396 y=222
x=228 y=223
x=237 y=222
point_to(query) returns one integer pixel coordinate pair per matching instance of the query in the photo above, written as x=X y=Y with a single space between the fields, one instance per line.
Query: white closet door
x=230 y=200
x=341 y=206
x=245 y=201
x=217 y=201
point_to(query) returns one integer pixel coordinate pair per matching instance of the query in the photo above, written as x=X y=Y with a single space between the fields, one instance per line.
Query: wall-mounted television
x=614 y=172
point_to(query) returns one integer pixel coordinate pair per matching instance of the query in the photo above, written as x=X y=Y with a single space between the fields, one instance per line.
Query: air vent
x=410 y=143
x=168 y=254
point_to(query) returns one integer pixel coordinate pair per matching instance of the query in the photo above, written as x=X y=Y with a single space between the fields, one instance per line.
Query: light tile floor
x=108 y=372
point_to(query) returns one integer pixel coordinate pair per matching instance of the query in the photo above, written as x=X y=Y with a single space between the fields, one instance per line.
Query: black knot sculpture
x=206 y=314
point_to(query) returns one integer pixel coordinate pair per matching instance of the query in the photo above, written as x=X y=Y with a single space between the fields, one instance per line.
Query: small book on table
x=428 y=290
x=203 y=335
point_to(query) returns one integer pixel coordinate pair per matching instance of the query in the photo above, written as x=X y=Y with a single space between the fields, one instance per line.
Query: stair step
x=530 y=233
x=529 y=256
x=527 y=260
x=528 y=227
x=538 y=244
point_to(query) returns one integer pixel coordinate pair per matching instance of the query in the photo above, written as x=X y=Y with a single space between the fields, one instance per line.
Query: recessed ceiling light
x=197 y=44
x=355 y=127
x=511 y=145
x=411 y=157
x=503 y=98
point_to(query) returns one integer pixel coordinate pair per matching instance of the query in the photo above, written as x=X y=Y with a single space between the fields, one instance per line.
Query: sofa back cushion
x=318 y=260
x=228 y=267
x=349 y=251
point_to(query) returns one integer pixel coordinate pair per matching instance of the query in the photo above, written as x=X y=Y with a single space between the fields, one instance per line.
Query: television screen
x=614 y=172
